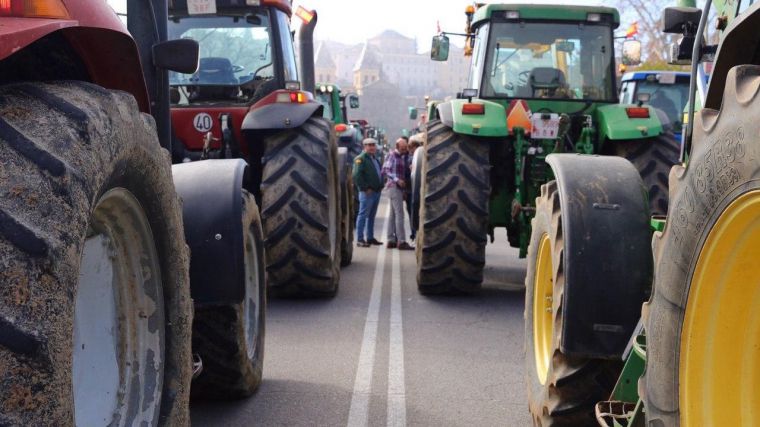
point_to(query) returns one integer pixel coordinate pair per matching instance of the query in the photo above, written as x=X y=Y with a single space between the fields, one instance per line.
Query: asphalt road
x=456 y=361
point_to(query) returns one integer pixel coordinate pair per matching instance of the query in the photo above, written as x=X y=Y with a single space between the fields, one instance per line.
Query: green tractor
x=334 y=101
x=598 y=251
x=542 y=81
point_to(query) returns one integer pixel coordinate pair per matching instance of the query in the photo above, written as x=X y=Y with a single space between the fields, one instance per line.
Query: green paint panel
x=546 y=12
x=492 y=123
x=614 y=123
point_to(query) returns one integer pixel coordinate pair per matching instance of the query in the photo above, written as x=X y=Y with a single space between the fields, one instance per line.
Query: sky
x=353 y=21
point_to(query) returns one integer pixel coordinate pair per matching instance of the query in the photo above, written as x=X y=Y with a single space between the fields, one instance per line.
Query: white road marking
x=396 y=385
x=359 y=411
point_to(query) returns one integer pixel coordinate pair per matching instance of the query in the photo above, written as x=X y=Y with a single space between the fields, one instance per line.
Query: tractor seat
x=546 y=77
x=216 y=81
x=215 y=70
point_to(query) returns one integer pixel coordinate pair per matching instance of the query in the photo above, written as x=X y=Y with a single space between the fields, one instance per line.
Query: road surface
x=380 y=354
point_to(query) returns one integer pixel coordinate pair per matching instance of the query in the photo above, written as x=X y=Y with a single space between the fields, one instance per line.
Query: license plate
x=201 y=7
x=544 y=126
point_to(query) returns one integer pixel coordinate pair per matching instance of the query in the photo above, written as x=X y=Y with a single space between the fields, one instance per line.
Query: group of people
x=394 y=176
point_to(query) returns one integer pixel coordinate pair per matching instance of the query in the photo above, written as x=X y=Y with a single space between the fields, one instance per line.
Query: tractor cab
x=540 y=52
x=567 y=60
x=246 y=52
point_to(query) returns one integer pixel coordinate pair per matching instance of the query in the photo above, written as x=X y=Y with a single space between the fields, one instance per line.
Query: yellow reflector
x=305 y=15
x=45 y=9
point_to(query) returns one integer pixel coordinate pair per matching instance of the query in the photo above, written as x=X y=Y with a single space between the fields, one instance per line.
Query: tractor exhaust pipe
x=306 y=52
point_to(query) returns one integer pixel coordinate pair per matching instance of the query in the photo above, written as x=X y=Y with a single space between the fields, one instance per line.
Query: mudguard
x=614 y=123
x=280 y=115
x=607 y=253
x=739 y=45
x=211 y=193
x=492 y=123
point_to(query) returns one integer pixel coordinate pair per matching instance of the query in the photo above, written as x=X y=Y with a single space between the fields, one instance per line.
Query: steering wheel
x=237 y=68
x=522 y=78
x=259 y=69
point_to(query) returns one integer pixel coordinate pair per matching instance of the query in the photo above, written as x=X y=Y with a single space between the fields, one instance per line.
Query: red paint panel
x=183 y=123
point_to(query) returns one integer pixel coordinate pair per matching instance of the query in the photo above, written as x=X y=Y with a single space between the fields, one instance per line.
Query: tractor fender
x=280 y=115
x=607 y=252
x=212 y=194
x=492 y=123
x=739 y=45
x=614 y=123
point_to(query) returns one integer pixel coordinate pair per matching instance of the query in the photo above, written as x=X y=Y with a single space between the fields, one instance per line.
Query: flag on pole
x=632 y=30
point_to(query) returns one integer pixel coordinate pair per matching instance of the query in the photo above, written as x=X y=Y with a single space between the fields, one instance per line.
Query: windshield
x=325 y=98
x=669 y=98
x=549 y=60
x=234 y=51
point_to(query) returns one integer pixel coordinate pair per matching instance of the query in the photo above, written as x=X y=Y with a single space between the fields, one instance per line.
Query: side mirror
x=177 y=55
x=353 y=101
x=412 y=113
x=680 y=20
x=631 y=52
x=440 y=49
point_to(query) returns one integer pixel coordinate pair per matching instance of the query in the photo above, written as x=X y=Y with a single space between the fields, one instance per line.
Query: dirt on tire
x=300 y=209
x=455 y=186
x=219 y=332
x=573 y=384
x=63 y=145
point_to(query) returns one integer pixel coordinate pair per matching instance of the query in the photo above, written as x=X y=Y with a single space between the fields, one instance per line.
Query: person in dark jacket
x=368 y=179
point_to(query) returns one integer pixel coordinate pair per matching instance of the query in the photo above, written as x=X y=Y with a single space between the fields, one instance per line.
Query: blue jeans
x=367 y=212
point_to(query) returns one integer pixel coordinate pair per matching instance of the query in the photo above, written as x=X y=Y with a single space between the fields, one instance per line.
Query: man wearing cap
x=368 y=179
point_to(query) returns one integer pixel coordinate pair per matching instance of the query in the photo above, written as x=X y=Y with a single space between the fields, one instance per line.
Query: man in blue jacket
x=368 y=179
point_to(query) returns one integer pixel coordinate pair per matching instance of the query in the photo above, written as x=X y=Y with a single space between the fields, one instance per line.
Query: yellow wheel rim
x=719 y=374
x=542 y=309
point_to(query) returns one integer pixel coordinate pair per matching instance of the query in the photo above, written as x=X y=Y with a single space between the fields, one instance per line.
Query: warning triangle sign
x=518 y=115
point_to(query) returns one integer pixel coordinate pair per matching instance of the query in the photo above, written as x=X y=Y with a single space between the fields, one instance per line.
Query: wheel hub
x=542 y=308
x=118 y=318
x=719 y=369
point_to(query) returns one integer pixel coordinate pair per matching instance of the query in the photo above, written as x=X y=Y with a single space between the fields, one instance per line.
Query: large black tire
x=300 y=209
x=230 y=338
x=653 y=158
x=347 y=222
x=723 y=168
x=64 y=148
x=451 y=242
x=573 y=385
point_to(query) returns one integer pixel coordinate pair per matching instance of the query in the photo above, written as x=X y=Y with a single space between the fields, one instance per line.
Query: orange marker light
x=341 y=127
x=470 y=10
x=33 y=8
x=305 y=15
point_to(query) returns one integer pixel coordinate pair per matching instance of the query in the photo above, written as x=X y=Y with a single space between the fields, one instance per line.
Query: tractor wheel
x=451 y=242
x=653 y=158
x=347 y=222
x=230 y=338
x=95 y=308
x=562 y=390
x=702 y=323
x=300 y=209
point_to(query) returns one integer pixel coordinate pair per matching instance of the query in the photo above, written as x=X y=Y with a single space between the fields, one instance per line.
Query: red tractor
x=97 y=283
x=245 y=101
